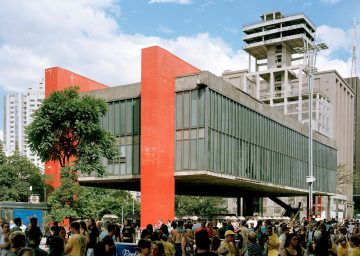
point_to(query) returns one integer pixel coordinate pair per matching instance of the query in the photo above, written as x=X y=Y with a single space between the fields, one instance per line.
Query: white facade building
x=18 y=110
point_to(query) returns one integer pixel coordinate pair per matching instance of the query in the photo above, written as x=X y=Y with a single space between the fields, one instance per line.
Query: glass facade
x=123 y=121
x=218 y=134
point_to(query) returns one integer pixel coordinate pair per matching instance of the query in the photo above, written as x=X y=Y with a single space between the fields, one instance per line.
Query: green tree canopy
x=67 y=125
x=17 y=175
x=71 y=200
x=200 y=206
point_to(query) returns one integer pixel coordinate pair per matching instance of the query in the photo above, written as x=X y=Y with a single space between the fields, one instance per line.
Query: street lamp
x=310 y=52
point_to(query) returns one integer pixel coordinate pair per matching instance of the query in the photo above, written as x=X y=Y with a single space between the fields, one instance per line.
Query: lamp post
x=310 y=52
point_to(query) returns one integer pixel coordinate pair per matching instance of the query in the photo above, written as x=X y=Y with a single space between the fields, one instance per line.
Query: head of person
x=252 y=237
x=202 y=240
x=157 y=248
x=342 y=242
x=354 y=241
x=291 y=240
x=62 y=232
x=180 y=223
x=215 y=243
x=33 y=221
x=145 y=234
x=17 y=222
x=230 y=236
x=83 y=225
x=269 y=230
x=26 y=252
x=75 y=227
x=17 y=239
x=111 y=229
x=189 y=233
x=6 y=228
x=144 y=247
x=150 y=228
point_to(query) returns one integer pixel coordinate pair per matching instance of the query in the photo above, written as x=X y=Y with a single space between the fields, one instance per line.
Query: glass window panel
x=201 y=154
x=136 y=160
x=136 y=116
x=129 y=159
x=178 y=155
x=186 y=108
x=129 y=117
x=186 y=151
x=194 y=108
x=201 y=109
x=116 y=118
x=193 y=154
x=122 y=118
x=179 y=111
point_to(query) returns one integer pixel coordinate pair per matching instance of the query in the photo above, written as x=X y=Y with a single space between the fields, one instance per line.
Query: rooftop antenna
x=354 y=52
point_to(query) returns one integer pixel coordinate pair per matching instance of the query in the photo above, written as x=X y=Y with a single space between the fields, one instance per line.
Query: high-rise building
x=18 y=110
x=277 y=76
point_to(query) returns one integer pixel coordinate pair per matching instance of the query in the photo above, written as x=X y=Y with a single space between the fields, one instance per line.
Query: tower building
x=18 y=110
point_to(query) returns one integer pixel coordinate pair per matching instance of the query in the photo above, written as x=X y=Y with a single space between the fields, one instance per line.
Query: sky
x=102 y=39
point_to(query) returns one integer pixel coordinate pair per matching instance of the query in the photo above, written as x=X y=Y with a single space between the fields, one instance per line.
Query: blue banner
x=126 y=249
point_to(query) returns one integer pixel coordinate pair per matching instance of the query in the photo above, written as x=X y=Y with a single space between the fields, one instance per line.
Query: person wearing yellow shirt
x=355 y=245
x=273 y=242
x=344 y=248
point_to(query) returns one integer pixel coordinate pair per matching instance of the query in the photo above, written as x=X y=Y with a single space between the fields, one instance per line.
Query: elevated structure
x=223 y=142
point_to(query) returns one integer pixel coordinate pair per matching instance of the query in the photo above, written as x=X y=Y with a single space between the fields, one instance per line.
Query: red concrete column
x=57 y=79
x=159 y=69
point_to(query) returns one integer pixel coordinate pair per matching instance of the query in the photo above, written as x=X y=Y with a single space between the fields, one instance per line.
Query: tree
x=17 y=175
x=71 y=200
x=67 y=126
x=203 y=206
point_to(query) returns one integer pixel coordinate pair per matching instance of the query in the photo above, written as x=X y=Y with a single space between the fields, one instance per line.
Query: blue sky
x=102 y=39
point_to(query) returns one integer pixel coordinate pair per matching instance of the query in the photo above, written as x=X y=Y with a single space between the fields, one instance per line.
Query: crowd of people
x=185 y=238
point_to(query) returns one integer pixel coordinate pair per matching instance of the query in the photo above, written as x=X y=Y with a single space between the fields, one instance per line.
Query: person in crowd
x=177 y=237
x=128 y=233
x=94 y=237
x=222 y=230
x=355 y=245
x=34 y=241
x=85 y=232
x=273 y=242
x=282 y=237
x=253 y=248
x=262 y=242
x=343 y=248
x=17 y=225
x=106 y=247
x=227 y=246
x=5 y=241
x=17 y=240
x=187 y=243
x=157 y=249
x=144 y=247
x=76 y=245
x=215 y=244
x=145 y=234
x=202 y=242
x=292 y=246
x=35 y=230
x=26 y=252
x=57 y=242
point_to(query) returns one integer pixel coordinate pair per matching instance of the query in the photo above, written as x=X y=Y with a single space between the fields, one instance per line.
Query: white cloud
x=170 y=1
x=83 y=37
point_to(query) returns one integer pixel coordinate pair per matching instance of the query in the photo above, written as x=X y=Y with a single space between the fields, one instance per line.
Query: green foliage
x=17 y=175
x=71 y=200
x=67 y=126
x=200 y=206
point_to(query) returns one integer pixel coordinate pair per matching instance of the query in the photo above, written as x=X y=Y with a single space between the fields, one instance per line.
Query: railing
x=284 y=16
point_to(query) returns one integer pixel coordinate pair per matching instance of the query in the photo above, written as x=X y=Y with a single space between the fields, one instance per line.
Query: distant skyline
x=102 y=39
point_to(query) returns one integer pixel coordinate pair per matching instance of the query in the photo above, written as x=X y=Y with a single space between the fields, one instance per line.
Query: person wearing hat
x=344 y=247
x=254 y=249
x=227 y=246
